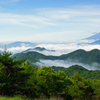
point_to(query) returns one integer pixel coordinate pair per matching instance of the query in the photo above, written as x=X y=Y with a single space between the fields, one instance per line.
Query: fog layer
x=66 y=64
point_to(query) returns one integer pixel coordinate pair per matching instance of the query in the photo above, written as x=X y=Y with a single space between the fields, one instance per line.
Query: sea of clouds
x=61 y=48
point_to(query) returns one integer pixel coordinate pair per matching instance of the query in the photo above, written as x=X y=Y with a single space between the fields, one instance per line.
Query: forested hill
x=33 y=55
x=78 y=55
x=82 y=71
x=83 y=56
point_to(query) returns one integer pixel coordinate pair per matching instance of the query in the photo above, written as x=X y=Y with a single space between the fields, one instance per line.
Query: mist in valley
x=66 y=64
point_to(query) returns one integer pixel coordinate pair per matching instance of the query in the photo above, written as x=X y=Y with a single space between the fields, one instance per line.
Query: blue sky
x=48 y=21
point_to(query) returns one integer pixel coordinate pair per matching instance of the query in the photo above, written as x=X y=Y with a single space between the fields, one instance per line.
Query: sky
x=48 y=21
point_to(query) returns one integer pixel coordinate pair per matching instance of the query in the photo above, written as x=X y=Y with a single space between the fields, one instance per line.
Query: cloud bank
x=66 y=64
x=14 y=50
x=61 y=48
x=67 y=48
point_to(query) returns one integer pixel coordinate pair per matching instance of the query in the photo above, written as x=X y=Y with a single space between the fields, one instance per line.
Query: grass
x=53 y=98
x=23 y=98
x=18 y=98
x=11 y=98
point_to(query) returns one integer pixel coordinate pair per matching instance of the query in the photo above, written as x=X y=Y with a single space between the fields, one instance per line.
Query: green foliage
x=51 y=82
x=82 y=71
x=11 y=76
x=82 y=88
x=76 y=77
x=96 y=87
x=12 y=98
x=33 y=55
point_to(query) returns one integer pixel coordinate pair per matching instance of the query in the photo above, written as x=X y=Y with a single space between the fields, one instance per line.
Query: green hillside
x=82 y=71
x=78 y=55
x=33 y=55
x=83 y=56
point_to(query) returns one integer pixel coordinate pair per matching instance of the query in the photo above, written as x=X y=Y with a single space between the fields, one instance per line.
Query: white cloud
x=24 y=20
x=83 y=17
x=18 y=49
x=60 y=49
x=55 y=17
x=67 y=63
x=81 y=13
x=67 y=48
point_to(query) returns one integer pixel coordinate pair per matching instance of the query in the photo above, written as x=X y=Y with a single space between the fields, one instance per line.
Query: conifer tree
x=12 y=79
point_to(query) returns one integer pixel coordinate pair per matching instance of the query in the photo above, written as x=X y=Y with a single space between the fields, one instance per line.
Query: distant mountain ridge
x=19 y=44
x=80 y=55
x=96 y=42
x=94 y=37
x=38 y=49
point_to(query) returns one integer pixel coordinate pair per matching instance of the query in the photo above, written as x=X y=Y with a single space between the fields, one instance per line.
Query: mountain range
x=80 y=56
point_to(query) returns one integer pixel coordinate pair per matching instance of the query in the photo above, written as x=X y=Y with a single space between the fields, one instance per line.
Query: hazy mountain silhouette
x=19 y=44
x=94 y=37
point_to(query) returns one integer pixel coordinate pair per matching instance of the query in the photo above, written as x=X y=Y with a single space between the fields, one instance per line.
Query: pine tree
x=12 y=77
